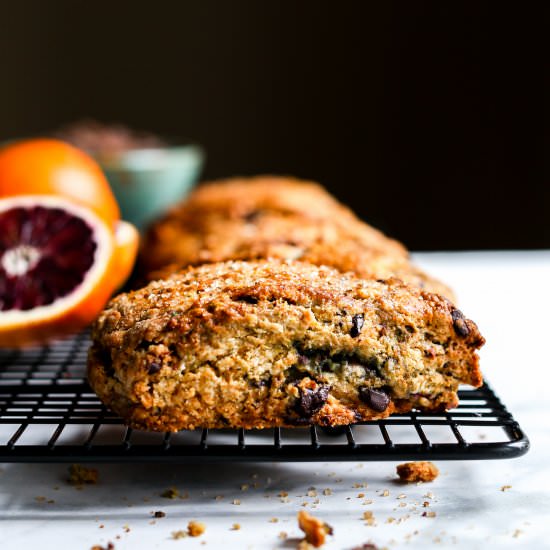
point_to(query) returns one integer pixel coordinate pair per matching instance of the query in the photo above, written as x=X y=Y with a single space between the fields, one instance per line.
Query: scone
x=272 y=217
x=269 y=343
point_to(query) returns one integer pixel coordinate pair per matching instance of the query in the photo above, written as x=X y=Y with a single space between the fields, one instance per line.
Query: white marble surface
x=508 y=294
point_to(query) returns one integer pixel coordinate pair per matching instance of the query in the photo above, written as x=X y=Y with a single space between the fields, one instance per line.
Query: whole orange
x=53 y=167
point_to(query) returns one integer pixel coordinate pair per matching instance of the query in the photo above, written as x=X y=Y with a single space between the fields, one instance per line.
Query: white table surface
x=507 y=294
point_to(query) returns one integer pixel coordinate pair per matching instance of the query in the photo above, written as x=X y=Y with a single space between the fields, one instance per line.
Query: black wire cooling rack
x=49 y=414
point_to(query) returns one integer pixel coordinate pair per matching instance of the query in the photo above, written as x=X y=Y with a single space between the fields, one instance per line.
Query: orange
x=63 y=248
x=52 y=167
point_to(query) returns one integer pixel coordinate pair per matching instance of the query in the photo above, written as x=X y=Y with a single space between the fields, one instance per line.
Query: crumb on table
x=195 y=528
x=417 y=471
x=79 y=475
x=110 y=546
x=315 y=529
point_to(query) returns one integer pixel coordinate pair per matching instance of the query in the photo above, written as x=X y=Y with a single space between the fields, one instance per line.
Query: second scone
x=268 y=343
x=275 y=217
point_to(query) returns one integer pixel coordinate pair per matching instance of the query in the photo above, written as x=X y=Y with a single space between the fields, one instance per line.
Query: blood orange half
x=59 y=264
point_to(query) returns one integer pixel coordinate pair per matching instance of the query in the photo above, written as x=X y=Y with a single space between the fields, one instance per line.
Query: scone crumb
x=385 y=493
x=245 y=487
x=369 y=518
x=315 y=529
x=283 y=494
x=79 y=475
x=236 y=501
x=170 y=493
x=283 y=535
x=274 y=520
x=505 y=488
x=196 y=528
x=327 y=492
x=180 y=534
x=110 y=546
x=361 y=495
x=428 y=514
x=410 y=472
x=236 y=527
x=159 y=514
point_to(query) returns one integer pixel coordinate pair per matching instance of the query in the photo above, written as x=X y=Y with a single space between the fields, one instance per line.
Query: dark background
x=426 y=117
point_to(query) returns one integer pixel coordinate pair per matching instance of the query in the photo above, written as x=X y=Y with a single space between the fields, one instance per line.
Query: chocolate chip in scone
x=357 y=322
x=459 y=323
x=154 y=367
x=310 y=401
x=375 y=399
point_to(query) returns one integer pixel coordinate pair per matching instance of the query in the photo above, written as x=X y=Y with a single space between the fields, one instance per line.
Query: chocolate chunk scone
x=269 y=343
x=274 y=217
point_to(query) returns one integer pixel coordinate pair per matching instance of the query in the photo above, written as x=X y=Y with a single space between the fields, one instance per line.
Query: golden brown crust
x=263 y=344
x=412 y=472
x=273 y=217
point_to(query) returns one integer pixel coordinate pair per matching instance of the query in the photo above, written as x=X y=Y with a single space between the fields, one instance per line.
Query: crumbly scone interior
x=279 y=351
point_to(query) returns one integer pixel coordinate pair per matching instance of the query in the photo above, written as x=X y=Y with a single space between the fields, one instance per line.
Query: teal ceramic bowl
x=147 y=182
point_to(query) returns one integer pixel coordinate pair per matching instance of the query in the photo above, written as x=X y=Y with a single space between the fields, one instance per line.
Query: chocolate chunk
x=310 y=401
x=159 y=514
x=459 y=323
x=375 y=399
x=357 y=322
x=154 y=367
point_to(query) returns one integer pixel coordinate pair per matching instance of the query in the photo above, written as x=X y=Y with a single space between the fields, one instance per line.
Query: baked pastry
x=269 y=343
x=273 y=217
